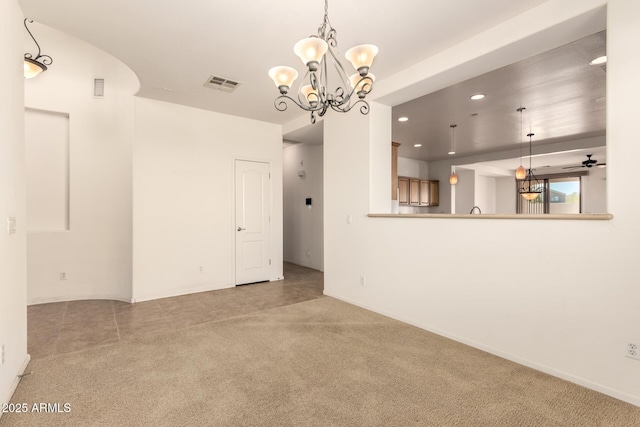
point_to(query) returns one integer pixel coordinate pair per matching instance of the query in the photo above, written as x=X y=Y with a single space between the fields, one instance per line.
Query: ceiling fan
x=589 y=163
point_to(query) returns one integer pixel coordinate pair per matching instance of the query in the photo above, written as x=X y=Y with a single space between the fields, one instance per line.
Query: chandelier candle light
x=313 y=93
x=35 y=65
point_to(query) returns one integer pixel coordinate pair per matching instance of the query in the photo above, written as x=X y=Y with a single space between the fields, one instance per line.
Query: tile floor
x=64 y=327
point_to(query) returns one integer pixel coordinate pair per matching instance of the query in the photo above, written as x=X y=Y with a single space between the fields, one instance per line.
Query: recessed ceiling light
x=451 y=152
x=599 y=60
x=477 y=96
x=403 y=119
x=417 y=145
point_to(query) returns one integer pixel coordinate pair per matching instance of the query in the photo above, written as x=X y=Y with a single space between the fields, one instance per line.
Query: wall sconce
x=35 y=65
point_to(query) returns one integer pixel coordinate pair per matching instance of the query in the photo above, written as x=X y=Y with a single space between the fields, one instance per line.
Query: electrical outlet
x=201 y=269
x=63 y=275
x=363 y=281
x=2 y=355
x=633 y=350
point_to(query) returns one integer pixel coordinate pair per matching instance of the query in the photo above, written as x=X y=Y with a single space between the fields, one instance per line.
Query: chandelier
x=530 y=186
x=313 y=93
x=35 y=65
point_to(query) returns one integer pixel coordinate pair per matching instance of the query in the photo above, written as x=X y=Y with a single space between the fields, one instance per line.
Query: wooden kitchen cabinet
x=418 y=192
x=434 y=193
x=403 y=190
x=424 y=192
x=414 y=192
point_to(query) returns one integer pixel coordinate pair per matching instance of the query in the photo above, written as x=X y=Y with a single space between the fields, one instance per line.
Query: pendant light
x=520 y=172
x=530 y=187
x=453 y=178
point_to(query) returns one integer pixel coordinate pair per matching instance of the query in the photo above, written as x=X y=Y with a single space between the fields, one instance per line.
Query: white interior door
x=252 y=228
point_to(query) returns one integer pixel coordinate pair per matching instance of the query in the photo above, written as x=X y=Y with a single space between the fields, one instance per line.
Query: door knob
x=240 y=228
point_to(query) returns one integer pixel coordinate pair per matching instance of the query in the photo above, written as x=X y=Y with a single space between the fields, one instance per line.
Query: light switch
x=349 y=219
x=11 y=225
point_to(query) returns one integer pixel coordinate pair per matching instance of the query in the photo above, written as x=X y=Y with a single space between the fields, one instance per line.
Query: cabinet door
x=434 y=193
x=414 y=192
x=425 y=200
x=403 y=190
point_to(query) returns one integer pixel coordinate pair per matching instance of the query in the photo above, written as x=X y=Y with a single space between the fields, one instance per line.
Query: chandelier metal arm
x=45 y=59
x=315 y=93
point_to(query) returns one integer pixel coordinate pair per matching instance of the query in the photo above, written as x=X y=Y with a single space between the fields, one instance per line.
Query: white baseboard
x=625 y=397
x=64 y=298
x=178 y=293
x=16 y=381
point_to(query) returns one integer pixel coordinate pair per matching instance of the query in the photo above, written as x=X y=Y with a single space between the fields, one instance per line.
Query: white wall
x=413 y=168
x=47 y=170
x=536 y=319
x=95 y=253
x=13 y=280
x=594 y=186
x=485 y=194
x=465 y=191
x=506 y=195
x=183 y=196
x=303 y=225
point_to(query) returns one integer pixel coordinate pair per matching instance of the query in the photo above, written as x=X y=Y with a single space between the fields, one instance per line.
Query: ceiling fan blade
x=573 y=167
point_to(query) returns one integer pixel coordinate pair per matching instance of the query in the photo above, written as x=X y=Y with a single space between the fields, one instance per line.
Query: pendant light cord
x=521 y=109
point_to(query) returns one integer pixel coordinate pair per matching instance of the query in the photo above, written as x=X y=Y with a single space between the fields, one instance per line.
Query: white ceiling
x=175 y=46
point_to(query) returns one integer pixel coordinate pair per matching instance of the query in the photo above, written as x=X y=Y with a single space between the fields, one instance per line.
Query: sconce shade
x=361 y=57
x=359 y=84
x=283 y=77
x=309 y=93
x=521 y=173
x=311 y=49
x=32 y=68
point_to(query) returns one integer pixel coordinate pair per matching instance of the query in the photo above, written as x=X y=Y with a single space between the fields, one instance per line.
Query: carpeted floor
x=316 y=363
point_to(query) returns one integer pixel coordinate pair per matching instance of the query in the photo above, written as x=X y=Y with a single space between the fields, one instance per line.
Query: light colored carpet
x=317 y=363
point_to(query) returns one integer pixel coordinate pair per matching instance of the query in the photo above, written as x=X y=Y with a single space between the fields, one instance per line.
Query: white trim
x=63 y=298
x=180 y=293
x=625 y=397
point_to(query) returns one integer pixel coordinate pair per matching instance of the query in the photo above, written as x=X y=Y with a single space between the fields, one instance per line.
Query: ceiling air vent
x=220 y=83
